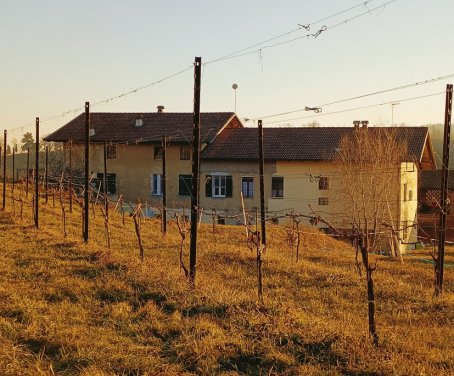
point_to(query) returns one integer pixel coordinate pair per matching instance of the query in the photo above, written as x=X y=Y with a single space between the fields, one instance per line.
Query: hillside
x=69 y=308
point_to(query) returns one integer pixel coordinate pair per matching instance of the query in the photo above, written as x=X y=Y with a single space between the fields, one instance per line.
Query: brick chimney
x=161 y=109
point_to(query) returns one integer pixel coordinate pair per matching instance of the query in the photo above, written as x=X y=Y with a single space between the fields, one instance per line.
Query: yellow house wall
x=238 y=170
x=408 y=204
x=301 y=188
x=134 y=166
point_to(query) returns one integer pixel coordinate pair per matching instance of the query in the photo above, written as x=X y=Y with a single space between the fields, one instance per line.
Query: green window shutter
x=208 y=182
x=228 y=186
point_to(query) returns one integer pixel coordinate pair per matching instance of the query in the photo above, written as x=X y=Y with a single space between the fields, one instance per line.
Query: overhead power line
x=235 y=54
x=419 y=83
x=356 y=108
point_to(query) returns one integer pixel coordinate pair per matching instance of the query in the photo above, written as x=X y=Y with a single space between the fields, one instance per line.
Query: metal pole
x=262 y=184
x=70 y=177
x=4 y=169
x=46 y=176
x=87 y=167
x=163 y=187
x=106 y=202
x=195 y=171
x=28 y=171
x=444 y=192
x=14 y=162
x=37 y=174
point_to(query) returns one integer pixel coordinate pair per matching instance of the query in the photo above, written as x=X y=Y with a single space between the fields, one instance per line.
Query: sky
x=57 y=54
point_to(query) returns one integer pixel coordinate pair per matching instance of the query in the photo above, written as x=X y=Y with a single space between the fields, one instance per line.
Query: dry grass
x=68 y=308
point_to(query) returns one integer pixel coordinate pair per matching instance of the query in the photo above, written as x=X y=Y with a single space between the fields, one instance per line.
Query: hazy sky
x=57 y=54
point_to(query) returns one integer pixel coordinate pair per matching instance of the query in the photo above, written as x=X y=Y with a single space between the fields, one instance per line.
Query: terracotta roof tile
x=311 y=144
x=120 y=127
x=431 y=179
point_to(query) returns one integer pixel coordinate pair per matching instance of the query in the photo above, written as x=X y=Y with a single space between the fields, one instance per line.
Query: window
x=277 y=187
x=184 y=185
x=156 y=184
x=323 y=183
x=111 y=152
x=185 y=153
x=405 y=192
x=218 y=185
x=247 y=186
x=111 y=182
x=323 y=201
x=158 y=152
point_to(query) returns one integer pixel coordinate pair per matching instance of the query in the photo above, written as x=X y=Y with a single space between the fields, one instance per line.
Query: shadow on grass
x=219 y=311
x=55 y=352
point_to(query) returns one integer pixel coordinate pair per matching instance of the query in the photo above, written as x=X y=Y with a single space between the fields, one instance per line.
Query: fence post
x=28 y=171
x=106 y=199
x=4 y=168
x=163 y=187
x=87 y=169
x=37 y=174
x=262 y=185
x=195 y=171
x=70 y=177
x=444 y=193
x=46 y=176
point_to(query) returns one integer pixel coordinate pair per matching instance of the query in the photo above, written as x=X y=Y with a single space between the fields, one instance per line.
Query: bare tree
x=367 y=191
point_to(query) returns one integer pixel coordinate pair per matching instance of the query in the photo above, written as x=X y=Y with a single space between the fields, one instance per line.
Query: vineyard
x=71 y=308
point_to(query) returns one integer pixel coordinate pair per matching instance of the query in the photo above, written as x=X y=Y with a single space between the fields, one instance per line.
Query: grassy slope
x=69 y=308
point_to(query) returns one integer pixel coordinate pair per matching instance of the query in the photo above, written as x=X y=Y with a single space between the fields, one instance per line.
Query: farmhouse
x=301 y=170
x=134 y=150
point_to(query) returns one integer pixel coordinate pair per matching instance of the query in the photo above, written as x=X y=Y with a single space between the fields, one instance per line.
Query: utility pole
x=195 y=171
x=105 y=180
x=37 y=174
x=87 y=169
x=163 y=186
x=444 y=193
x=262 y=184
x=4 y=169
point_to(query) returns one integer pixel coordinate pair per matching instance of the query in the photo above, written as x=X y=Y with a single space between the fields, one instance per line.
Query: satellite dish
x=234 y=86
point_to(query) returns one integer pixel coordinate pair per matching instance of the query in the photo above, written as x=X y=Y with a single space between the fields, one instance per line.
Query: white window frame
x=217 y=186
x=249 y=185
x=156 y=185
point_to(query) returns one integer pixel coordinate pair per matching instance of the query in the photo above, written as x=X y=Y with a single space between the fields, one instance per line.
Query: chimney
x=161 y=109
x=139 y=121
x=356 y=124
x=365 y=123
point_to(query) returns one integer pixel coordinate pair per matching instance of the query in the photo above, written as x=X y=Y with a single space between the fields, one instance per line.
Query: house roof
x=309 y=144
x=431 y=179
x=120 y=127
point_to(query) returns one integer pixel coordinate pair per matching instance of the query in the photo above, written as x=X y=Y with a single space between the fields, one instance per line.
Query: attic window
x=323 y=183
x=111 y=152
x=158 y=152
x=139 y=122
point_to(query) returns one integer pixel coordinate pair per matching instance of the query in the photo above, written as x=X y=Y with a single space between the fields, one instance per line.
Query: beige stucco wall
x=238 y=170
x=301 y=189
x=409 y=204
x=134 y=166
